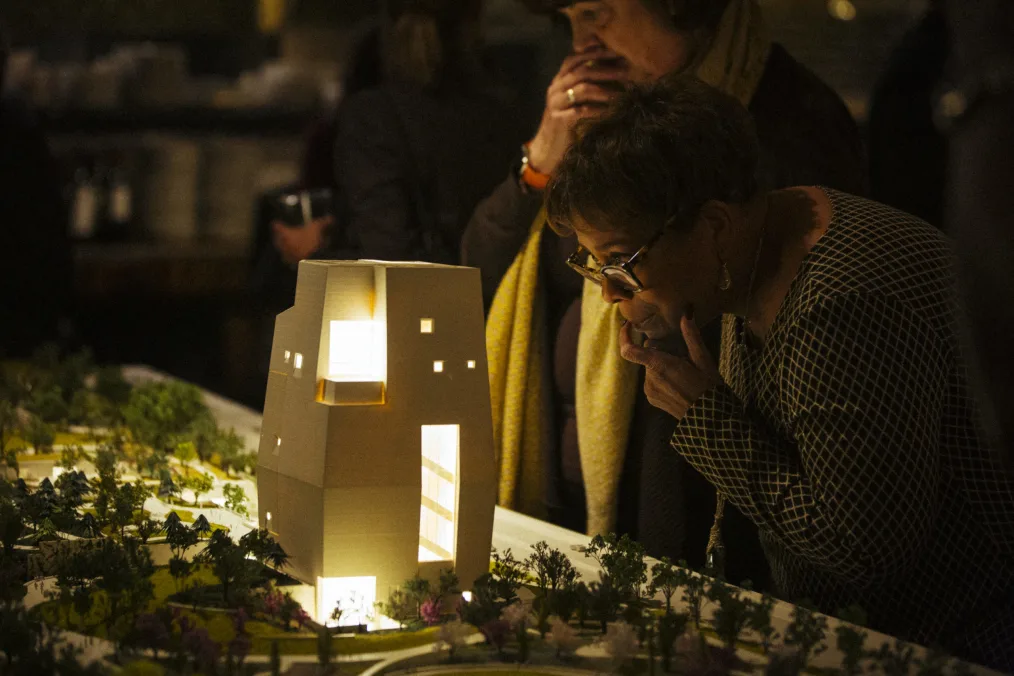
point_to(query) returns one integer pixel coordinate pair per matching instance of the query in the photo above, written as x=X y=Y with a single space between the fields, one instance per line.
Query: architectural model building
x=376 y=453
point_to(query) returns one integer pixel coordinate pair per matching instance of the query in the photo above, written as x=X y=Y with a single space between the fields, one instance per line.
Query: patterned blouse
x=851 y=439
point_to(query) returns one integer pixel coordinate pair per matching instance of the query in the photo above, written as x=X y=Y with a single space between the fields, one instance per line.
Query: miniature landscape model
x=143 y=533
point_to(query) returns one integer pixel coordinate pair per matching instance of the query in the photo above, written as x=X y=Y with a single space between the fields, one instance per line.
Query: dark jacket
x=807 y=137
x=411 y=166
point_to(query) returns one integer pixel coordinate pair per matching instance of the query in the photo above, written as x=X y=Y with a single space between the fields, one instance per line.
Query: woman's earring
x=725 y=281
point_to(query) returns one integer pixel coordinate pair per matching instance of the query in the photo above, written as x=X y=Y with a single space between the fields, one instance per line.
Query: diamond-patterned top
x=852 y=440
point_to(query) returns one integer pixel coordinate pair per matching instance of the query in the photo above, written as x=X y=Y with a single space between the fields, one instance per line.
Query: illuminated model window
x=355 y=355
x=438 y=509
x=438 y=367
x=288 y=356
x=299 y=361
x=355 y=595
x=425 y=326
x=471 y=364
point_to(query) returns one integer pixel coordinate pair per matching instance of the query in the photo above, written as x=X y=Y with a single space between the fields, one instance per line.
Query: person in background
x=36 y=274
x=908 y=153
x=841 y=420
x=977 y=114
x=576 y=442
x=415 y=154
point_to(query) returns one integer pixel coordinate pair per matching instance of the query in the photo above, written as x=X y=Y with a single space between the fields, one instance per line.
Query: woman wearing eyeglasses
x=840 y=419
x=577 y=443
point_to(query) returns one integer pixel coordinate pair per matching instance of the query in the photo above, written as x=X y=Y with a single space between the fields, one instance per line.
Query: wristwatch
x=528 y=176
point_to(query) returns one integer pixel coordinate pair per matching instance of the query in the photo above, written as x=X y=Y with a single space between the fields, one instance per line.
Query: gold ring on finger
x=571 y=97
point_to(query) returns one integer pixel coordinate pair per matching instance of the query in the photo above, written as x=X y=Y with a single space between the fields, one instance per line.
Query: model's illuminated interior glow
x=425 y=326
x=357 y=351
x=298 y=363
x=288 y=356
x=438 y=367
x=268 y=516
x=471 y=364
x=355 y=595
x=466 y=596
x=437 y=513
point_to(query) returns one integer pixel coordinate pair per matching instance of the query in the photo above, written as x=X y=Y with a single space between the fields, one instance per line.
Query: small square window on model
x=471 y=363
x=298 y=363
x=425 y=326
x=288 y=356
x=438 y=367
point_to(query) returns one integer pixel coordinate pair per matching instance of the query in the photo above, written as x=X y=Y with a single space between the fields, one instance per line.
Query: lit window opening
x=438 y=367
x=471 y=364
x=288 y=356
x=425 y=326
x=298 y=362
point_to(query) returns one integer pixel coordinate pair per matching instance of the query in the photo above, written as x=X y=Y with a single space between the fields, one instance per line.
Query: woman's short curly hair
x=687 y=15
x=655 y=158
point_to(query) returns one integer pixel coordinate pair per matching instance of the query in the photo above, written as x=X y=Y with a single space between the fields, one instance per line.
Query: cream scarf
x=606 y=384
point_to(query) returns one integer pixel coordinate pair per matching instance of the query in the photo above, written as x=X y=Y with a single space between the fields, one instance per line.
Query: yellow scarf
x=606 y=386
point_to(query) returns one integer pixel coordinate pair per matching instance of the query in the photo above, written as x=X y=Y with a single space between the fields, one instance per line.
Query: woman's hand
x=671 y=383
x=294 y=243
x=593 y=77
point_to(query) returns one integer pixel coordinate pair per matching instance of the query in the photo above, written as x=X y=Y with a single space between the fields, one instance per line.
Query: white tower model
x=376 y=455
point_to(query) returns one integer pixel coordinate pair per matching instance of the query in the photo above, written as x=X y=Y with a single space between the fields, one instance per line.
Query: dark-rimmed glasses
x=621 y=274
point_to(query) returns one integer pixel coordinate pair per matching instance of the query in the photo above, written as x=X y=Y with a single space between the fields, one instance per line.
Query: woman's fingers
x=583 y=94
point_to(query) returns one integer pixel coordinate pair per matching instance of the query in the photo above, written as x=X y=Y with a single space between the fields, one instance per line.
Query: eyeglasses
x=621 y=274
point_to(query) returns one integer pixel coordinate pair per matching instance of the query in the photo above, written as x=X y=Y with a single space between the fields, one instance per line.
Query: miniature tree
x=693 y=596
x=235 y=498
x=199 y=484
x=336 y=613
x=228 y=562
x=485 y=605
x=180 y=539
x=185 y=452
x=168 y=489
x=666 y=579
x=201 y=526
x=128 y=500
x=555 y=577
x=670 y=627
x=851 y=640
x=760 y=622
x=39 y=505
x=418 y=590
x=39 y=435
x=12 y=526
x=264 y=548
x=148 y=529
x=732 y=614
x=604 y=601
x=48 y=405
x=806 y=632
x=622 y=559
x=9 y=424
x=398 y=607
x=508 y=573
x=230 y=451
x=126 y=581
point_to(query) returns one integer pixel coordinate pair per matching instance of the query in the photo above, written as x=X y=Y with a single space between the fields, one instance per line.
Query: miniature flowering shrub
x=430 y=611
x=563 y=637
x=620 y=643
x=516 y=615
x=454 y=635
x=496 y=633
